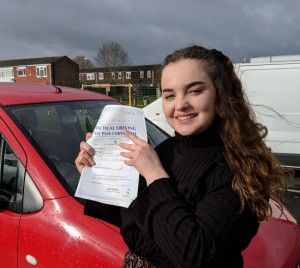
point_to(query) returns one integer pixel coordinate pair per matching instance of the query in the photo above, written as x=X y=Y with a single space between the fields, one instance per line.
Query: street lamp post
x=85 y=62
x=85 y=70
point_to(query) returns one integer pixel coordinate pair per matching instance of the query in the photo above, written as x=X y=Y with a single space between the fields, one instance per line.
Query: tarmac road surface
x=291 y=198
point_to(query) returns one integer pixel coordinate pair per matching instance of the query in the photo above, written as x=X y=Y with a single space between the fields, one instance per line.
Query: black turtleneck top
x=191 y=219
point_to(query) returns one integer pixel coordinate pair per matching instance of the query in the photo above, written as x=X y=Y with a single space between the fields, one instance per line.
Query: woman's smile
x=184 y=118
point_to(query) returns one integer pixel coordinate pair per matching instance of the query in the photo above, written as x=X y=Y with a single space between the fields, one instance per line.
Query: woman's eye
x=168 y=97
x=195 y=91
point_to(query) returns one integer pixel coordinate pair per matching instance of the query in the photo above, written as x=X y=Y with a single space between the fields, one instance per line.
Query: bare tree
x=83 y=62
x=112 y=55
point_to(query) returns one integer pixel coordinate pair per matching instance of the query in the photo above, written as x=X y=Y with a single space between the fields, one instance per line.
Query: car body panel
x=277 y=243
x=20 y=93
x=64 y=237
x=9 y=233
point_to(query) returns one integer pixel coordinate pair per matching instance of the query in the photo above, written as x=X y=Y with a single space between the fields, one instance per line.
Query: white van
x=155 y=114
x=272 y=85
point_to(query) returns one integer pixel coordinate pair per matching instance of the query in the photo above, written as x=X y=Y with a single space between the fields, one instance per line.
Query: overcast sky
x=148 y=29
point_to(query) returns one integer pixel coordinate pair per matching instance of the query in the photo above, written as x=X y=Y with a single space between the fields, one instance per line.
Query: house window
x=21 y=71
x=41 y=71
x=142 y=74
x=113 y=75
x=90 y=76
x=101 y=76
x=128 y=75
x=6 y=73
x=119 y=75
x=148 y=74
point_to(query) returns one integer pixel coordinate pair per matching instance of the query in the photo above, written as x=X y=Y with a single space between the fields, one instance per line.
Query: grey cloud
x=148 y=29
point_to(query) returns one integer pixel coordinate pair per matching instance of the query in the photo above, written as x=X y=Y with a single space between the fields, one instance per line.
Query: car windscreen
x=56 y=130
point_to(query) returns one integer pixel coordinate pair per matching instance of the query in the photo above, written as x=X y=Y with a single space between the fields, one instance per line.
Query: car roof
x=26 y=93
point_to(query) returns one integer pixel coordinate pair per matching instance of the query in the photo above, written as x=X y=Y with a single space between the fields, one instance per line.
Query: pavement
x=294 y=182
x=291 y=198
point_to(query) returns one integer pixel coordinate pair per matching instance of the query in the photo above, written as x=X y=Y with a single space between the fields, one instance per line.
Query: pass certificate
x=111 y=181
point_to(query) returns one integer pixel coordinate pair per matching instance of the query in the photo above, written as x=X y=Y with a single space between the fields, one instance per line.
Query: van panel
x=273 y=90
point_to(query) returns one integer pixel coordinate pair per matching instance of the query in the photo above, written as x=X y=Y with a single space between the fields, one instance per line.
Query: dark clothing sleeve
x=108 y=213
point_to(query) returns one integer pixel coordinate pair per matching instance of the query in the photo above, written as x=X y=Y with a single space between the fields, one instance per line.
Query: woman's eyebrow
x=195 y=83
x=165 y=90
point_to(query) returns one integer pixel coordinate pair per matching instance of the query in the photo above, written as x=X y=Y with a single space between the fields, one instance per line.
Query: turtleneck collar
x=208 y=138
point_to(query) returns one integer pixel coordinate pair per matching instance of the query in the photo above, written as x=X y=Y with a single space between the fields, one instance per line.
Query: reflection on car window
x=155 y=135
x=56 y=130
x=47 y=119
x=9 y=170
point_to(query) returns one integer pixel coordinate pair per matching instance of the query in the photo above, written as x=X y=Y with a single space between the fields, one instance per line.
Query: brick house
x=51 y=70
x=144 y=80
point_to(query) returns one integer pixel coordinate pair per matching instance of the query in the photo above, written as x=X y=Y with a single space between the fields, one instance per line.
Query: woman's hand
x=144 y=158
x=85 y=156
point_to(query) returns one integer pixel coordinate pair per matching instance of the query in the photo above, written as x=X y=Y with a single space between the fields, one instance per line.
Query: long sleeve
x=108 y=213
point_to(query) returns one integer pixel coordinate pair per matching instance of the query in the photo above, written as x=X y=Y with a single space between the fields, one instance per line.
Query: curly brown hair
x=257 y=173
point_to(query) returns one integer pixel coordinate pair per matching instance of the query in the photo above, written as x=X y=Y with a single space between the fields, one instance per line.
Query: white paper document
x=111 y=181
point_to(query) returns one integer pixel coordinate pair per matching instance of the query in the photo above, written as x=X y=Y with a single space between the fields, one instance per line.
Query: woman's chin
x=184 y=132
x=188 y=131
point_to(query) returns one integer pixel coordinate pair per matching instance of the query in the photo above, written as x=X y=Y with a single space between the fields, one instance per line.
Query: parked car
x=41 y=222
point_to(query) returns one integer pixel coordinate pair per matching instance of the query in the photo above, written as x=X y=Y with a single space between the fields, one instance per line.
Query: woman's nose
x=181 y=104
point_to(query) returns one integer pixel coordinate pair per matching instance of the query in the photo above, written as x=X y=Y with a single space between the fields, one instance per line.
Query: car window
x=9 y=171
x=16 y=186
x=9 y=176
x=155 y=134
x=56 y=130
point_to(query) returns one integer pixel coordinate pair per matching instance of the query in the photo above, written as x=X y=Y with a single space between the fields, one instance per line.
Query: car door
x=10 y=171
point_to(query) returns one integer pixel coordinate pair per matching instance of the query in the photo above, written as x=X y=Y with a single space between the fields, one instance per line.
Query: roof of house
x=29 y=61
x=121 y=68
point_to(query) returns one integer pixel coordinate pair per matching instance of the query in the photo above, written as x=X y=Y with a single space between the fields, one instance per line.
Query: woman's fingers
x=85 y=156
x=84 y=146
x=134 y=138
x=128 y=146
x=88 y=135
x=84 y=159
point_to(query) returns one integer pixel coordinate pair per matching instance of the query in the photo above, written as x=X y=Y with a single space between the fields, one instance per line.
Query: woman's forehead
x=185 y=71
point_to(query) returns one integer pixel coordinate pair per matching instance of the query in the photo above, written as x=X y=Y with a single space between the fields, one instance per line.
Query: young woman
x=203 y=192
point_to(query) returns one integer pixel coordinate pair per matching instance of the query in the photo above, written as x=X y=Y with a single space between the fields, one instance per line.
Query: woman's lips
x=185 y=117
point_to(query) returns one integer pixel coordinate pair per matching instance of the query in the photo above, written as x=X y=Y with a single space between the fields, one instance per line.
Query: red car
x=42 y=223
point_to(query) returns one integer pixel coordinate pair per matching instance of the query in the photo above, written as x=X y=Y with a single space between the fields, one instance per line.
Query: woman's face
x=188 y=96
